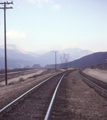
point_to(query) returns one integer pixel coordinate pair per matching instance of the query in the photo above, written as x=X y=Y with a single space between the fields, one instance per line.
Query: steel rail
x=4 y=108
x=53 y=98
x=93 y=83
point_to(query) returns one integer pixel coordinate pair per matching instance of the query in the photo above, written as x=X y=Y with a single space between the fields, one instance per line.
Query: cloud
x=56 y=7
x=15 y=35
x=40 y=3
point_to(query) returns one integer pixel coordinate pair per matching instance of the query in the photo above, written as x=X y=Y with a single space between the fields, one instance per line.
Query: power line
x=27 y=23
x=34 y=33
x=5 y=7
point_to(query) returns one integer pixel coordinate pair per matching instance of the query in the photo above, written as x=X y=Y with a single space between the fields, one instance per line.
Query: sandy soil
x=97 y=73
x=15 y=74
x=21 y=77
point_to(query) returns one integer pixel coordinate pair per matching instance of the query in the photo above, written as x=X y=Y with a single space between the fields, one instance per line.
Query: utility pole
x=55 y=59
x=5 y=3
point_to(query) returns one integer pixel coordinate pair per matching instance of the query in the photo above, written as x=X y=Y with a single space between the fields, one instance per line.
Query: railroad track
x=98 y=85
x=39 y=103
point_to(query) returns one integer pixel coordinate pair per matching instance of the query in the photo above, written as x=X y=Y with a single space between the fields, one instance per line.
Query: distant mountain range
x=17 y=57
x=91 y=60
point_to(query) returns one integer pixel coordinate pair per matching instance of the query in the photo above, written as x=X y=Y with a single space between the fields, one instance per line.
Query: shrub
x=21 y=79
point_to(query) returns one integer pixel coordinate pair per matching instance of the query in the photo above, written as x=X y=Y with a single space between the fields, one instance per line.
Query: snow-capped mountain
x=15 y=48
x=16 y=52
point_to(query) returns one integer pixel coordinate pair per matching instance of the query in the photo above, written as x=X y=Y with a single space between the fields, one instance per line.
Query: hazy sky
x=56 y=24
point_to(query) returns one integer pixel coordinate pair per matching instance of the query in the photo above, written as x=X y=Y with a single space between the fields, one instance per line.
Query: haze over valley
x=19 y=58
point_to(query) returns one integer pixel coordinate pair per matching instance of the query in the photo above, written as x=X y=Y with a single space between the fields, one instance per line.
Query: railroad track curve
x=98 y=85
x=37 y=103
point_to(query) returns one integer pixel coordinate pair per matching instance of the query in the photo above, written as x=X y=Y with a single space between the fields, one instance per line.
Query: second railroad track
x=98 y=85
